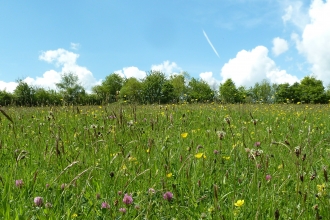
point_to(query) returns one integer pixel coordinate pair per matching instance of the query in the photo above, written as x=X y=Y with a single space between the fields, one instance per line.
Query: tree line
x=157 y=88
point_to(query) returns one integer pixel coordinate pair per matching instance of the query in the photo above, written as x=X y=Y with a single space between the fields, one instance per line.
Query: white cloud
x=314 y=40
x=279 y=46
x=63 y=59
x=208 y=77
x=296 y=13
x=167 y=67
x=74 y=46
x=249 y=67
x=8 y=87
x=132 y=71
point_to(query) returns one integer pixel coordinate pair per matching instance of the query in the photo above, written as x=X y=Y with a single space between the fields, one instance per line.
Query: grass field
x=189 y=161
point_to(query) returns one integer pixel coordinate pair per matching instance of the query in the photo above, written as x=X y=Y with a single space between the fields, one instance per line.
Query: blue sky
x=246 y=40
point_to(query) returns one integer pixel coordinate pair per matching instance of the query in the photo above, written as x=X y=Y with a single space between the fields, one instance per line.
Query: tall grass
x=217 y=161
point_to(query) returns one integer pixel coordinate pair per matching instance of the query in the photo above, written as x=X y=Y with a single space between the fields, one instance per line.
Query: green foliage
x=312 y=90
x=200 y=90
x=179 y=85
x=132 y=90
x=110 y=87
x=262 y=92
x=24 y=94
x=6 y=98
x=152 y=87
x=70 y=88
x=228 y=92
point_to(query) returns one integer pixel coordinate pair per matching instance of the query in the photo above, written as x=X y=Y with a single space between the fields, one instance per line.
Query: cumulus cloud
x=313 y=43
x=296 y=13
x=279 y=46
x=208 y=77
x=167 y=67
x=249 y=67
x=67 y=61
x=128 y=72
x=7 y=86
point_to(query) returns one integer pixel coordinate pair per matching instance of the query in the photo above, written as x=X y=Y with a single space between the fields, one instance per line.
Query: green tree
x=228 y=92
x=312 y=90
x=24 y=94
x=283 y=92
x=6 y=98
x=131 y=90
x=179 y=85
x=152 y=86
x=70 y=88
x=262 y=91
x=110 y=87
x=200 y=90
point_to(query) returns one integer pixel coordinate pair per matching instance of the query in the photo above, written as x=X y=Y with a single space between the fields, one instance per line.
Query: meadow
x=182 y=161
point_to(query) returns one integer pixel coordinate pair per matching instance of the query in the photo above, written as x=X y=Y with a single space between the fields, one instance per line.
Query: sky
x=246 y=40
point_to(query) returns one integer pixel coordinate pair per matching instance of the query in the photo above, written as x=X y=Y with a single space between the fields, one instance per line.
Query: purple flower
x=47 y=186
x=268 y=177
x=215 y=151
x=105 y=205
x=123 y=210
x=38 y=201
x=257 y=144
x=127 y=199
x=19 y=183
x=168 y=196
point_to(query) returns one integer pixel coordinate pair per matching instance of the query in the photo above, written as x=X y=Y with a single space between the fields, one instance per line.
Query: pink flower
x=127 y=199
x=257 y=144
x=168 y=196
x=268 y=177
x=105 y=205
x=38 y=201
x=123 y=210
x=19 y=183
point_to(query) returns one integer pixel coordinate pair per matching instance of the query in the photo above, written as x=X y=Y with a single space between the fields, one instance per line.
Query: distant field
x=186 y=161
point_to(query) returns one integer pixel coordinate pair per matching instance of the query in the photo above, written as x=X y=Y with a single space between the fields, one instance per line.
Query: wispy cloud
x=208 y=40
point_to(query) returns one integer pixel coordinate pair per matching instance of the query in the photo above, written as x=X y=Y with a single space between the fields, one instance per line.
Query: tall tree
x=312 y=90
x=200 y=90
x=24 y=93
x=131 y=90
x=152 y=86
x=109 y=88
x=70 y=87
x=179 y=85
x=228 y=91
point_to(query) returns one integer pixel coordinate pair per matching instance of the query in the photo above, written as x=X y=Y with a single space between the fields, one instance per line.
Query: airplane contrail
x=208 y=40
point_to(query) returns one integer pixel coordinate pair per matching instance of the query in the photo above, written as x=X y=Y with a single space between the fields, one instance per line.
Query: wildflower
x=239 y=203
x=169 y=175
x=200 y=155
x=184 y=135
x=63 y=186
x=74 y=215
x=215 y=151
x=19 y=183
x=127 y=199
x=105 y=205
x=226 y=158
x=221 y=134
x=257 y=144
x=123 y=210
x=268 y=177
x=38 y=201
x=168 y=196
x=321 y=189
x=48 y=205
x=151 y=190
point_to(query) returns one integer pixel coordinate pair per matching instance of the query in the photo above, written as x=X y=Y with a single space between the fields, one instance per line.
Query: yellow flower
x=199 y=155
x=74 y=215
x=148 y=150
x=239 y=203
x=169 y=175
x=184 y=135
x=321 y=189
x=226 y=158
